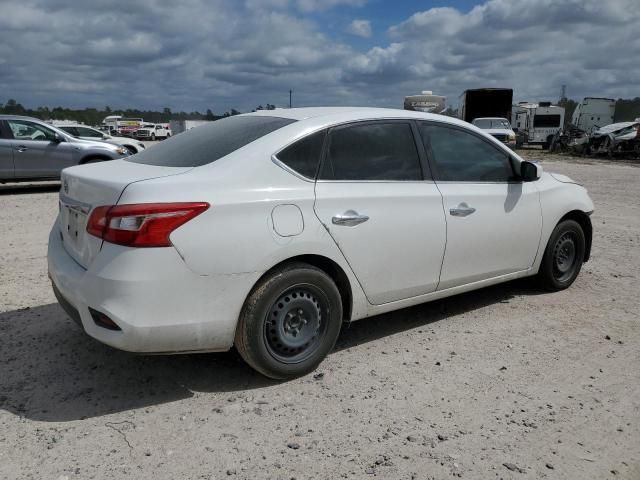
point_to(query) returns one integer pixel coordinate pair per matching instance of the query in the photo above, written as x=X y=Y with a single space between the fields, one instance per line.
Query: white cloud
x=222 y=53
x=360 y=28
x=320 y=5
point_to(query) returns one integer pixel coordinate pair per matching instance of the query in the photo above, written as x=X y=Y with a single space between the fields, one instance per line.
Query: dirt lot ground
x=506 y=382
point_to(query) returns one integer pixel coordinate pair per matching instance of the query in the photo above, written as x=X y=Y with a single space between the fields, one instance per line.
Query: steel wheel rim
x=565 y=256
x=296 y=323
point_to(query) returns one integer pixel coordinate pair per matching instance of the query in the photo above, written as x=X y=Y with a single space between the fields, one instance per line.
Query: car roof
x=18 y=117
x=346 y=114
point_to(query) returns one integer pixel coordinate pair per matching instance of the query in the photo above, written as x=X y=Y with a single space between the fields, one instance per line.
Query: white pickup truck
x=152 y=131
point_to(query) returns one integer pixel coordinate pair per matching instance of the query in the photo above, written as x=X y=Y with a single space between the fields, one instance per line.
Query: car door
x=6 y=153
x=37 y=152
x=494 y=220
x=375 y=197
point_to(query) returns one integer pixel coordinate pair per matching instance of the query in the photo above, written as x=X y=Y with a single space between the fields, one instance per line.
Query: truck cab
x=153 y=131
x=497 y=127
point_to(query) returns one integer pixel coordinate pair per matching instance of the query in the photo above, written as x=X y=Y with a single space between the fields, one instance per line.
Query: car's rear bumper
x=159 y=304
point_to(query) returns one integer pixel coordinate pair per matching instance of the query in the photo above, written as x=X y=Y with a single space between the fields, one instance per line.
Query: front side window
x=303 y=156
x=460 y=156
x=26 y=130
x=372 y=151
x=210 y=142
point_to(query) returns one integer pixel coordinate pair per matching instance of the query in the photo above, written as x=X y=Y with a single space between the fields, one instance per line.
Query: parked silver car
x=88 y=133
x=30 y=149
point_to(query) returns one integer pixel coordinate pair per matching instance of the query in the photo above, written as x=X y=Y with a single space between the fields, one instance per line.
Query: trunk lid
x=88 y=186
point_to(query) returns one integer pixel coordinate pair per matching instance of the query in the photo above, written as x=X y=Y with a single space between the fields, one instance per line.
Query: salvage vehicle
x=271 y=229
x=88 y=133
x=616 y=139
x=497 y=127
x=537 y=123
x=32 y=150
x=593 y=113
x=152 y=131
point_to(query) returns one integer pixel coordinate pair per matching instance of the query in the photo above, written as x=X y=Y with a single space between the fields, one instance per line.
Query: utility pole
x=290 y=96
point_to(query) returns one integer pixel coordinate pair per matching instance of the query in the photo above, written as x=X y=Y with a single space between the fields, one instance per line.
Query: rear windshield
x=209 y=142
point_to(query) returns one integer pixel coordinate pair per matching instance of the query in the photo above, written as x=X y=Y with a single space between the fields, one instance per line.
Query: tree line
x=94 y=116
x=626 y=110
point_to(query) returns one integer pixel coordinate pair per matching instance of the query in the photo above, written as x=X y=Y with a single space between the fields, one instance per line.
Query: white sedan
x=88 y=133
x=269 y=230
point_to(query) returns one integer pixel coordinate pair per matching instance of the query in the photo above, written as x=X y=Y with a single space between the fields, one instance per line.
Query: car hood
x=498 y=131
x=562 y=178
x=615 y=127
x=92 y=143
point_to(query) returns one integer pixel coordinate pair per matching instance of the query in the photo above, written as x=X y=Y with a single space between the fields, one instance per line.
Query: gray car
x=32 y=150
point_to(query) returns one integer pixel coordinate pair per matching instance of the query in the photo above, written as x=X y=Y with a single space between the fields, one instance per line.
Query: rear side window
x=372 y=151
x=303 y=156
x=460 y=156
x=210 y=142
x=70 y=130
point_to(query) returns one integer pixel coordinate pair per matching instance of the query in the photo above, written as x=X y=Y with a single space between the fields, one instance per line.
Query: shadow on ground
x=50 y=370
x=26 y=188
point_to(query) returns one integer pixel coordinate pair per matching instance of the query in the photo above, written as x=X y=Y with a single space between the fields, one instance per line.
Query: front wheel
x=290 y=322
x=563 y=256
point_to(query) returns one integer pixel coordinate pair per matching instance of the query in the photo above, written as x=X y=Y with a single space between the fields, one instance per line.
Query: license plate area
x=74 y=221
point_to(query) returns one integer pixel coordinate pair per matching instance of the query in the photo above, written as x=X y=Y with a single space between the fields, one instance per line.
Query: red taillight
x=143 y=224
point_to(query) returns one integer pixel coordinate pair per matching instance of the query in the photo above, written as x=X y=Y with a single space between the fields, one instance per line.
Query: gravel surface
x=505 y=382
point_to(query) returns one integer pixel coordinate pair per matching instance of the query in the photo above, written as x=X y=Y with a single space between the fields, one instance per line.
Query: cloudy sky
x=219 y=54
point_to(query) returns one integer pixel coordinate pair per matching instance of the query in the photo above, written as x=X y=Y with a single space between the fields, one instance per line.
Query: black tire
x=289 y=322
x=563 y=256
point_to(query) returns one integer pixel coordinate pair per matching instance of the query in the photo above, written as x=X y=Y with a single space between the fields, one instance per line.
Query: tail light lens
x=143 y=224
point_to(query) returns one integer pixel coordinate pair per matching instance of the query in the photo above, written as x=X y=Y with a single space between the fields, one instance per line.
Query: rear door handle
x=350 y=218
x=462 y=210
x=21 y=148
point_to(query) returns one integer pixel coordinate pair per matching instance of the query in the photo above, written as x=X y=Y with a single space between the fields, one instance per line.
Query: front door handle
x=462 y=210
x=21 y=148
x=350 y=218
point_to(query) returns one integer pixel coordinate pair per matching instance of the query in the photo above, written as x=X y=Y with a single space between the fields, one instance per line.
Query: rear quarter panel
x=236 y=234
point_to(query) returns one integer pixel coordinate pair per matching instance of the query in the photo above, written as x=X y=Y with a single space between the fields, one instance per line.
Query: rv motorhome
x=537 y=123
x=425 y=102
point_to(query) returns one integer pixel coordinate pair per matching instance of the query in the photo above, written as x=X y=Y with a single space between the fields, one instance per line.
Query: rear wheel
x=289 y=322
x=563 y=256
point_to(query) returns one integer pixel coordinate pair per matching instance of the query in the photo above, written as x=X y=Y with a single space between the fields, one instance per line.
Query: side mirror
x=106 y=137
x=529 y=172
x=57 y=138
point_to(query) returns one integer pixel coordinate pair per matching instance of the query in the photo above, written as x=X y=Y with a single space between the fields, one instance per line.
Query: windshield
x=209 y=142
x=487 y=123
